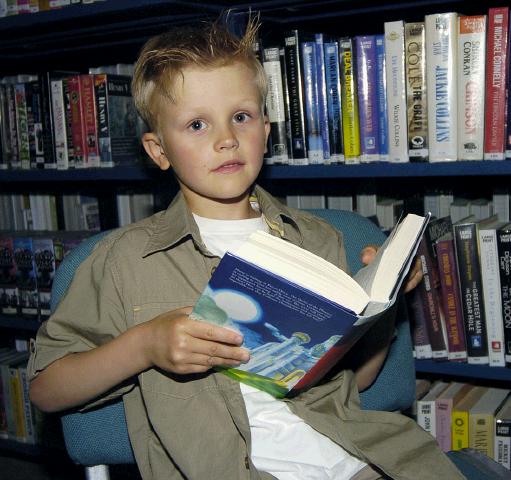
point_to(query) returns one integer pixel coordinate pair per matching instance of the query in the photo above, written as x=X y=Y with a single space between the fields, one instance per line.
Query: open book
x=299 y=313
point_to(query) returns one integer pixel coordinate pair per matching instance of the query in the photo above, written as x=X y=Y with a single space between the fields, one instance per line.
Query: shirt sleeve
x=90 y=314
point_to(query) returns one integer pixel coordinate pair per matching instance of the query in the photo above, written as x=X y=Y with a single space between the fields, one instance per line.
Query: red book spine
x=91 y=153
x=77 y=126
x=496 y=72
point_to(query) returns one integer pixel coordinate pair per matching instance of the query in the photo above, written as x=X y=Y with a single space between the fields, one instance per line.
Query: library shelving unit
x=109 y=32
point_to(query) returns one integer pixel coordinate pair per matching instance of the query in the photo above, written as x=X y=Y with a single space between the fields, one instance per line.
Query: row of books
x=27 y=269
x=432 y=91
x=461 y=415
x=19 y=419
x=19 y=7
x=461 y=310
x=62 y=120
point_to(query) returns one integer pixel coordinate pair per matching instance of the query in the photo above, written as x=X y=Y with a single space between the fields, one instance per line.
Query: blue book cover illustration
x=322 y=100
x=367 y=81
x=287 y=329
x=381 y=88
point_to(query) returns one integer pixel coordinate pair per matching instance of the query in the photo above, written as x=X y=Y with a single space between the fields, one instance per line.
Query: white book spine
x=441 y=50
x=502 y=448
x=492 y=298
x=396 y=91
x=426 y=416
x=471 y=78
x=59 y=124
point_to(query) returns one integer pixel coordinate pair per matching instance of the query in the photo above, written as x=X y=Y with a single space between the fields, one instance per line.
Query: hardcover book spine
x=296 y=99
x=451 y=300
x=59 y=124
x=488 y=255
x=396 y=91
x=333 y=89
x=77 y=123
x=472 y=301
x=322 y=100
x=496 y=70
x=367 y=82
x=471 y=78
x=504 y=252
x=441 y=49
x=275 y=107
x=22 y=126
x=91 y=149
x=381 y=89
x=502 y=449
x=310 y=83
x=416 y=99
x=349 y=103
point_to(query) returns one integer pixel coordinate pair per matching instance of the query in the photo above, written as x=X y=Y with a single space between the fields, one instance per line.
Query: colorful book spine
x=441 y=50
x=296 y=98
x=310 y=84
x=35 y=125
x=90 y=127
x=275 y=107
x=22 y=126
x=396 y=90
x=367 y=82
x=10 y=95
x=504 y=252
x=69 y=122
x=460 y=417
x=421 y=342
x=333 y=95
x=471 y=80
x=349 y=102
x=381 y=92
x=322 y=100
x=416 y=99
x=496 y=77
x=58 y=111
x=453 y=313
x=426 y=408
x=77 y=125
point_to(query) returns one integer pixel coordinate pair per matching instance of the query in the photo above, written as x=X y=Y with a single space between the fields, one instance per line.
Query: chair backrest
x=100 y=436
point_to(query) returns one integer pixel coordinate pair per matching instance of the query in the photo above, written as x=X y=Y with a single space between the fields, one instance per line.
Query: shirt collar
x=176 y=223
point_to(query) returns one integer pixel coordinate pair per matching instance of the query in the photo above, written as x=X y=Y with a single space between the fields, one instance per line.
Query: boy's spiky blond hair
x=207 y=45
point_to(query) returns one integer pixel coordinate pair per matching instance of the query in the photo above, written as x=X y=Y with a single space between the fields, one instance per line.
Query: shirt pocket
x=162 y=383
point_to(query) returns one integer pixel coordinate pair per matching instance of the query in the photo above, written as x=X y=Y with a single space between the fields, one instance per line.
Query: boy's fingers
x=214 y=333
x=368 y=253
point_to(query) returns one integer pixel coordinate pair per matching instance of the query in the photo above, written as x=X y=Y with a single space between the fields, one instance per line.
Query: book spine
x=100 y=94
x=22 y=126
x=90 y=129
x=459 y=429
x=502 y=446
x=381 y=89
x=367 y=100
x=451 y=300
x=416 y=99
x=275 y=107
x=504 y=253
x=472 y=301
x=396 y=91
x=441 y=49
x=426 y=416
x=287 y=111
x=6 y=153
x=37 y=111
x=333 y=89
x=508 y=73
x=481 y=433
x=443 y=423
x=31 y=121
x=471 y=79
x=50 y=161
x=27 y=406
x=421 y=342
x=77 y=124
x=349 y=103
x=15 y=396
x=296 y=99
x=322 y=100
x=69 y=122
x=59 y=124
x=496 y=70
x=310 y=82
x=13 y=126
x=490 y=275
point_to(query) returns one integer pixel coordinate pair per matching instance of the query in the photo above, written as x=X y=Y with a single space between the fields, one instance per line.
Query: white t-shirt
x=282 y=443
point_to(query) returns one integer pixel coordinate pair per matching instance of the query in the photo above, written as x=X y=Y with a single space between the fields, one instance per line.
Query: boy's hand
x=414 y=275
x=178 y=344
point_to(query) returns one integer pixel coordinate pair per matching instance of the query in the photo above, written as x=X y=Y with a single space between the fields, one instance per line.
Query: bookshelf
x=80 y=36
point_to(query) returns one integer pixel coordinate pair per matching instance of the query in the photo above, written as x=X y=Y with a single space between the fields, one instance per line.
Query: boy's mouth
x=229 y=167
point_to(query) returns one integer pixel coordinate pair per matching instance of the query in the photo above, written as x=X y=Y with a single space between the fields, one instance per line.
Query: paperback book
x=298 y=313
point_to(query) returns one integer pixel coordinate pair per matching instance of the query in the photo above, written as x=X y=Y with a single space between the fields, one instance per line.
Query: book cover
x=416 y=96
x=496 y=77
x=426 y=407
x=294 y=79
x=333 y=95
x=471 y=86
x=489 y=257
x=460 y=417
x=322 y=99
x=504 y=254
x=481 y=430
x=441 y=50
x=89 y=119
x=502 y=442
x=298 y=313
x=349 y=103
x=275 y=107
x=381 y=93
x=450 y=294
x=367 y=82
x=396 y=90
x=472 y=300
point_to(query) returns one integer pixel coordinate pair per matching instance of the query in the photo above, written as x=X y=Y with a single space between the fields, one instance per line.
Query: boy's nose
x=226 y=140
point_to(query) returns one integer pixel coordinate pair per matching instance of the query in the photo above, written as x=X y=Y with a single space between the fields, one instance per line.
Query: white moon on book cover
x=238 y=306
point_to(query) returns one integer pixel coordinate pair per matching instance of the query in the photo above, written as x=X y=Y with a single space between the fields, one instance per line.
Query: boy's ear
x=154 y=149
x=266 y=131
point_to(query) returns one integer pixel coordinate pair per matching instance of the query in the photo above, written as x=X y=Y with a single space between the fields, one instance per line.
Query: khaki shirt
x=196 y=426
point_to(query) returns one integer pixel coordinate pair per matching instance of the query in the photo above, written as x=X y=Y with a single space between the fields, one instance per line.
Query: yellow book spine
x=481 y=433
x=459 y=430
x=17 y=403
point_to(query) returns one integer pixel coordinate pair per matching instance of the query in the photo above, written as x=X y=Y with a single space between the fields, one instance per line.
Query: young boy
x=123 y=327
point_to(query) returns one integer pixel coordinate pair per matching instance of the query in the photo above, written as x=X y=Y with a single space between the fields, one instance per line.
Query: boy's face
x=214 y=137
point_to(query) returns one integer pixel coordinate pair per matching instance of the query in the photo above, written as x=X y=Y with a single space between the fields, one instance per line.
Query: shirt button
x=247 y=462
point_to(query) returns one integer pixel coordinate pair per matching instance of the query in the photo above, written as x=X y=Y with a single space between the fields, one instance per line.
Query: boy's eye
x=241 y=117
x=197 y=125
